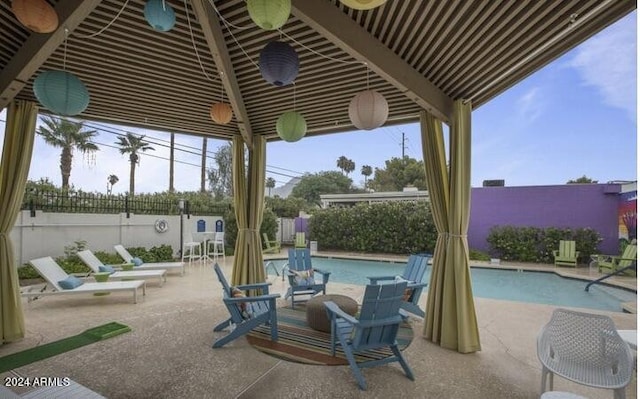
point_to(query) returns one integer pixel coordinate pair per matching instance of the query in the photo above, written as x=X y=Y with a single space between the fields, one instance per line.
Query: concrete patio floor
x=168 y=353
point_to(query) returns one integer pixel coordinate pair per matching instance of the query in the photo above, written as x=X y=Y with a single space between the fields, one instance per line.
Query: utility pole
x=403 y=146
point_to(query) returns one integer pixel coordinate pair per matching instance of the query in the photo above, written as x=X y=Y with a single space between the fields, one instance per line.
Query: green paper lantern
x=291 y=126
x=61 y=92
x=269 y=14
x=362 y=4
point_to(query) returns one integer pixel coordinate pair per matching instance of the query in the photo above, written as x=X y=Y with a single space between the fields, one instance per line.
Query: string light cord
x=227 y=22
x=106 y=26
x=282 y=33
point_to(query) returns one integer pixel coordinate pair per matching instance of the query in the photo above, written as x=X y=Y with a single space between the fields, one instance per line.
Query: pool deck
x=168 y=353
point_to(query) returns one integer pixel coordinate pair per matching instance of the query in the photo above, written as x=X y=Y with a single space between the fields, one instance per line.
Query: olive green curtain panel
x=248 y=190
x=14 y=168
x=451 y=317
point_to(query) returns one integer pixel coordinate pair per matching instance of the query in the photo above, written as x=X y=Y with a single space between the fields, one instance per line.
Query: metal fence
x=79 y=202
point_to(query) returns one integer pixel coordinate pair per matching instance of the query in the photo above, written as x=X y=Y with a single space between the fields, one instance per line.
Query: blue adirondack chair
x=303 y=279
x=246 y=313
x=376 y=327
x=413 y=273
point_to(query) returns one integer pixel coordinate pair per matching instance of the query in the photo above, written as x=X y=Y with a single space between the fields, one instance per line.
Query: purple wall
x=570 y=205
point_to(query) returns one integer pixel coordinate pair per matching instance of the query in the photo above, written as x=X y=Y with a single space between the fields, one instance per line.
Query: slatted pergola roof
x=420 y=55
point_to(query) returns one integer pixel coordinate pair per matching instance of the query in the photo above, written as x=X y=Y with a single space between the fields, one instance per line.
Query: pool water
x=520 y=286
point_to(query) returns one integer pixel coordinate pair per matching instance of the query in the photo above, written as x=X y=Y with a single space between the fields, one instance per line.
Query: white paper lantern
x=368 y=110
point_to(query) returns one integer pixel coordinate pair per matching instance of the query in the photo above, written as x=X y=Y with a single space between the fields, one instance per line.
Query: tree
x=312 y=185
x=366 y=172
x=582 y=180
x=271 y=183
x=132 y=144
x=221 y=179
x=111 y=180
x=399 y=173
x=346 y=165
x=69 y=136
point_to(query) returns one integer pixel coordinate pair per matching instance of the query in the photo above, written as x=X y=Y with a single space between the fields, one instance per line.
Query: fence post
x=126 y=206
x=32 y=208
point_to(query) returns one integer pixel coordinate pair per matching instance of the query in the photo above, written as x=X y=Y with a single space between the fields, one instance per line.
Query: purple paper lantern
x=279 y=63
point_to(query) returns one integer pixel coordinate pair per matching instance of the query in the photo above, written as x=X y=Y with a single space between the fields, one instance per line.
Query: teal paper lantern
x=61 y=92
x=269 y=14
x=159 y=15
x=291 y=126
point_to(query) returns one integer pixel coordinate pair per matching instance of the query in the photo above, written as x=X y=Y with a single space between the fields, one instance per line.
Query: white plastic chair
x=585 y=348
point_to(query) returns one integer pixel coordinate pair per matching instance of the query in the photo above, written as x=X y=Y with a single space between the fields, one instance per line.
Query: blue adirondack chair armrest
x=380 y=322
x=252 y=298
x=413 y=285
x=325 y=275
x=335 y=311
x=264 y=287
x=374 y=280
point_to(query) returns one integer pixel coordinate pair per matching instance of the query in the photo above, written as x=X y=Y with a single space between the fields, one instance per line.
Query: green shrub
x=27 y=271
x=390 y=227
x=162 y=253
x=475 y=254
x=536 y=244
x=108 y=258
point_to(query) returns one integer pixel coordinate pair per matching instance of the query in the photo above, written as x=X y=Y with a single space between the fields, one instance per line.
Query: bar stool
x=192 y=251
x=215 y=247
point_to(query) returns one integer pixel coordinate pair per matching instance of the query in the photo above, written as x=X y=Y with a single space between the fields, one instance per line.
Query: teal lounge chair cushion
x=70 y=283
x=106 y=269
x=136 y=261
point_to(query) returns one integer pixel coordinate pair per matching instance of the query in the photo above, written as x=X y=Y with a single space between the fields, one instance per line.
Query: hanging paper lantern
x=221 y=113
x=61 y=92
x=159 y=15
x=36 y=15
x=362 y=4
x=291 y=126
x=279 y=63
x=269 y=14
x=368 y=110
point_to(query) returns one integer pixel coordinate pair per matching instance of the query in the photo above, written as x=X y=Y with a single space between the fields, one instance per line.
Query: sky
x=576 y=116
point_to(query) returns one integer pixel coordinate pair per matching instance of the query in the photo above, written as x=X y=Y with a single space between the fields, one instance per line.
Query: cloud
x=530 y=105
x=608 y=62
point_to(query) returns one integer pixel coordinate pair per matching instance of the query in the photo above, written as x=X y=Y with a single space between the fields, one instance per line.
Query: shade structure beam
x=212 y=30
x=337 y=27
x=39 y=47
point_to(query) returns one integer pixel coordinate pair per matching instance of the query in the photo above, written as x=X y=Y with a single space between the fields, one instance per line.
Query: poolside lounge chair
x=612 y=263
x=302 y=276
x=71 y=391
x=168 y=266
x=246 y=313
x=566 y=255
x=271 y=247
x=376 y=327
x=413 y=273
x=300 y=241
x=585 y=348
x=54 y=274
x=95 y=265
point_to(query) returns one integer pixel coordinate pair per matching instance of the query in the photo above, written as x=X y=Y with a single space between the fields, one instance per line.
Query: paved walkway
x=168 y=353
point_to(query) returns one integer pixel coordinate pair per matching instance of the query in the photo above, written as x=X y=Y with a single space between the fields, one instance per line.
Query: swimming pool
x=532 y=287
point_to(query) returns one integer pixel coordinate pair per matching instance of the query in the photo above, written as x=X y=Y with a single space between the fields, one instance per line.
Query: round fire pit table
x=317 y=313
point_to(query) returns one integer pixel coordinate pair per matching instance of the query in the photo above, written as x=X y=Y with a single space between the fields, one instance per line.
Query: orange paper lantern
x=221 y=113
x=37 y=15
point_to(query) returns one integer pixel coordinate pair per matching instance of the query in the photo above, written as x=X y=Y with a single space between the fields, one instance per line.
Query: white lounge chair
x=168 y=266
x=53 y=274
x=94 y=264
x=71 y=391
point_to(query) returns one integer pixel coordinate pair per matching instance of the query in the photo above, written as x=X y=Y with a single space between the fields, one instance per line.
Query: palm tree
x=366 y=172
x=271 y=183
x=349 y=167
x=112 y=179
x=68 y=135
x=342 y=162
x=131 y=144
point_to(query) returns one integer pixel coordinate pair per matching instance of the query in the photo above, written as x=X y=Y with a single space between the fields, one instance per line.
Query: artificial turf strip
x=41 y=352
